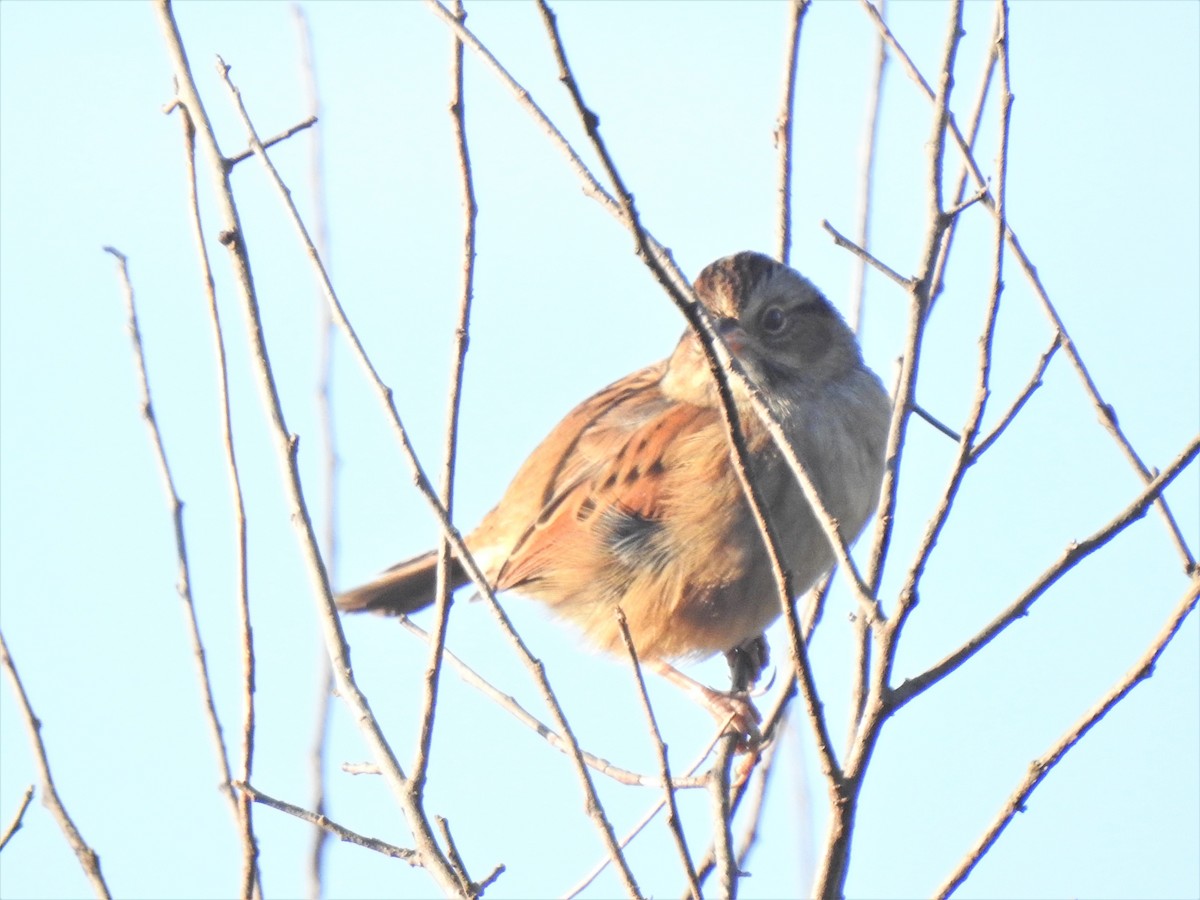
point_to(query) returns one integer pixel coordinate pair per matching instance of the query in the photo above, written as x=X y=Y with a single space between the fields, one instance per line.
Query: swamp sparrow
x=633 y=498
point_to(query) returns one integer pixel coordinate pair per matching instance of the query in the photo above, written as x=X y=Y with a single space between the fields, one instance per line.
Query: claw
x=735 y=711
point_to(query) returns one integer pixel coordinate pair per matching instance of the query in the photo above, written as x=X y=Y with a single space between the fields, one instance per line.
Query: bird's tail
x=404 y=588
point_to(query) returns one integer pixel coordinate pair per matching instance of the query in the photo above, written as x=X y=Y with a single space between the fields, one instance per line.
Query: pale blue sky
x=1104 y=192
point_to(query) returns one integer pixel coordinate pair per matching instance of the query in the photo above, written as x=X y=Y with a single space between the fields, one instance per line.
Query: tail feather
x=404 y=588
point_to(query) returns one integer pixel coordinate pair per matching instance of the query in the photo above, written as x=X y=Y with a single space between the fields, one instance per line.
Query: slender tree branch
x=461 y=338
x=646 y=818
x=721 y=363
x=88 y=859
x=15 y=825
x=1070 y=557
x=251 y=883
x=868 y=258
x=1035 y=382
x=674 y=824
x=783 y=132
x=251 y=878
x=858 y=284
x=329 y=455
x=320 y=820
x=509 y=703
x=271 y=142
x=1041 y=767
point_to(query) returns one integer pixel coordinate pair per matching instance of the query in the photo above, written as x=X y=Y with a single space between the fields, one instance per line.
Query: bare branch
x=412 y=857
x=1041 y=767
x=868 y=258
x=461 y=338
x=509 y=703
x=271 y=142
x=1070 y=557
x=783 y=132
x=673 y=821
x=251 y=879
x=858 y=288
x=241 y=814
x=88 y=859
x=1035 y=382
x=15 y=825
x=646 y=818
x=329 y=455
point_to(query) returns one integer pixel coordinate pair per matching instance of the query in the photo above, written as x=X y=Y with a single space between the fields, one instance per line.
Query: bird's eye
x=773 y=320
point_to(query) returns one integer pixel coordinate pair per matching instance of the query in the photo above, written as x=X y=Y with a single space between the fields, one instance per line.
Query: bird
x=633 y=500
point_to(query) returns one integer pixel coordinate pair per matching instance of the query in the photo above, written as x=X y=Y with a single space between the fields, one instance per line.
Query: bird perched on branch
x=634 y=500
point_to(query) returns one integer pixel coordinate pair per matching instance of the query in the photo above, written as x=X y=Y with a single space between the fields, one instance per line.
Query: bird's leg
x=748 y=661
x=733 y=710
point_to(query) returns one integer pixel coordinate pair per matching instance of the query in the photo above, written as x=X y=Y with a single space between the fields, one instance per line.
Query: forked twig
x=1070 y=557
x=1041 y=767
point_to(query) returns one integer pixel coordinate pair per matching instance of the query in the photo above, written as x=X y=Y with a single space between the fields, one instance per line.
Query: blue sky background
x=1104 y=191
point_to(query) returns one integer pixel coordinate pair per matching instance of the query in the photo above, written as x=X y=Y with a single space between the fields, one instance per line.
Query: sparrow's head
x=775 y=320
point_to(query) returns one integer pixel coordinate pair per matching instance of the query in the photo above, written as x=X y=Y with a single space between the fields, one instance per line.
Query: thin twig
x=232 y=161
x=1035 y=382
x=646 y=818
x=184 y=586
x=592 y=186
x=328 y=438
x=1041 y=767
x=673 y=821
x=858 y=284
x=772 y=724
x=15 y=825
x=783 y=132
x=87 y=857
x=867 y=257
x=973 y=126
x=456 y=859
x=461 y=338
x=1070 y=557
x=937 y=423
x=762 y=776
x=251 y=878
x=320 y=820
x=509 y=703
